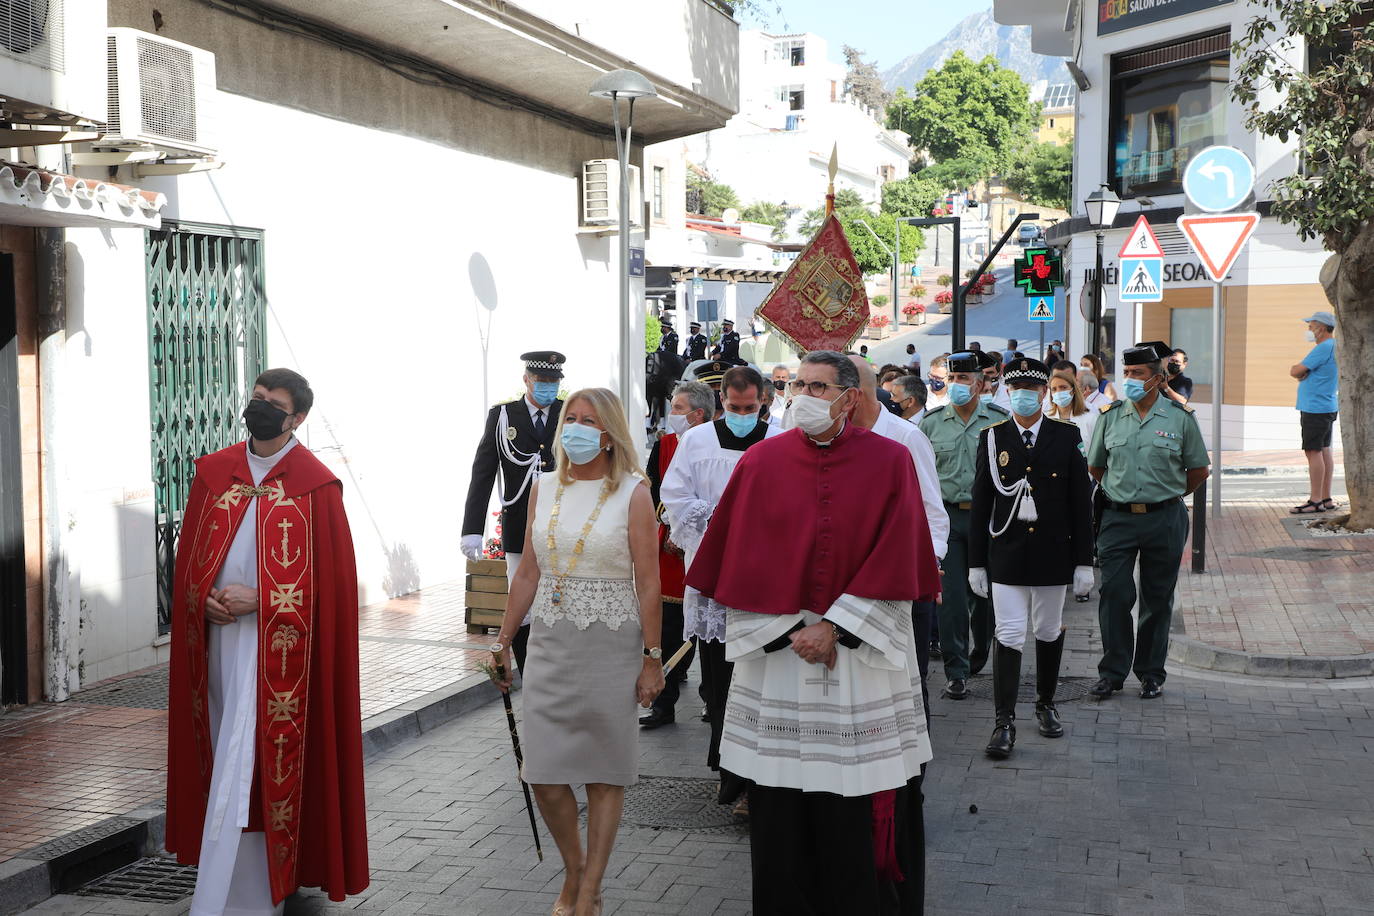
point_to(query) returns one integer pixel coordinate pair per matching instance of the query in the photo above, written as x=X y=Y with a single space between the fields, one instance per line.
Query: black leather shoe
x=1003 y=739
x=1150 y=689
x=935 y=650
x=1104 y=688
x=956 y=689
x=657 y=717
x=1048 y=717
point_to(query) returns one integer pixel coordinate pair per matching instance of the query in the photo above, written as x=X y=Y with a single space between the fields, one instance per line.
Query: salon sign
x=1119 y=15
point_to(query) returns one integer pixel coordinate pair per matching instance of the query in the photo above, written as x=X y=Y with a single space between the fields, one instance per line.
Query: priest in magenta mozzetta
x=825 y=714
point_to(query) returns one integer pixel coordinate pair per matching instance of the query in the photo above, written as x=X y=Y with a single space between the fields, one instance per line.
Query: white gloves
x=978 y=581
x=472 y=547
x=1082 y=581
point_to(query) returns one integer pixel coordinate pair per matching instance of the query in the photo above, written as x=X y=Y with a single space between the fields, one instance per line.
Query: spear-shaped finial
x=834 y=168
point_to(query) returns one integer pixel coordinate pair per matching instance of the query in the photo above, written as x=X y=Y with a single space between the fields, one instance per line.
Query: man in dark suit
x=1030 y=536
x=668 y=343
x=696 y=344
x=517 y=442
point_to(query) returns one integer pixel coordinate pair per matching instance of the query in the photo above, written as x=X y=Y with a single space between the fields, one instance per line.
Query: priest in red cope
x=264 y=743
x=825 y=714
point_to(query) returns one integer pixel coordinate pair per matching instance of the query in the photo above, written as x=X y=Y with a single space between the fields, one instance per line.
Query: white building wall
x=367 y=276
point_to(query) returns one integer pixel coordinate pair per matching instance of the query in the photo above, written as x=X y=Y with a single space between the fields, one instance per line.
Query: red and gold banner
x=820 y=303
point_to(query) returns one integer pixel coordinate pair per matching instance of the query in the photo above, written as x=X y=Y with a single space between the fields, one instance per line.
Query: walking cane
x=519 y=755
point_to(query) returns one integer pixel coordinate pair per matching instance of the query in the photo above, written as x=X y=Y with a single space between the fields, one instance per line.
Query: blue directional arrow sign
x=1041 y=308
x=1219 y=178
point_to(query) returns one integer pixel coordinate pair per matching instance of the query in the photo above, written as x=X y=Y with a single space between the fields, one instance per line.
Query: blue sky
x=887 y=30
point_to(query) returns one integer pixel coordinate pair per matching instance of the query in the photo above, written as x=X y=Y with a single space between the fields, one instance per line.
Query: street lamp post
x=1101 y=205
x=617 y=85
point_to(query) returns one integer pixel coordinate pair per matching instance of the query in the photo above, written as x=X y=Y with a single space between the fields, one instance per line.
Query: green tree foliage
x=914 y=195
x=716 y=197
x=653 y=332
x=967 y=109
x=1044 y=175
x=770 y=214
x=864 y=82
x=845 y=199
x=1326 y=107
x=960 y=172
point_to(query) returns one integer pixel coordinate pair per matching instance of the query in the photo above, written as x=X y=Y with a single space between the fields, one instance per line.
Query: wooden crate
x=486 y=595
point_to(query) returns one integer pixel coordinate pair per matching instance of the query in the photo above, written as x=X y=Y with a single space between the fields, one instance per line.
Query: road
x=991 y=323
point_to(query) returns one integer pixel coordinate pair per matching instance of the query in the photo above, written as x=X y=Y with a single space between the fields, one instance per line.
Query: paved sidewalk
x=1271 y=588
x=104 y=752
x=1223 y=797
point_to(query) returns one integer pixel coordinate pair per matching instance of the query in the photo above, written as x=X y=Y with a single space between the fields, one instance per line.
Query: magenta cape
x=799 y=525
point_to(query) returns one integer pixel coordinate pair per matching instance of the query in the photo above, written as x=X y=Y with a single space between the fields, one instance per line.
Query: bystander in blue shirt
x=1317 y=391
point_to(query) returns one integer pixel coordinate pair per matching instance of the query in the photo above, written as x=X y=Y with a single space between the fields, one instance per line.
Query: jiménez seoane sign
x=1174 y=272
x=1118 y=15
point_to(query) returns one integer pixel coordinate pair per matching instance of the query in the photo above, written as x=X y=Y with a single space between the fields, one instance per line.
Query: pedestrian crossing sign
x=1040 y=309
x=1142 y=280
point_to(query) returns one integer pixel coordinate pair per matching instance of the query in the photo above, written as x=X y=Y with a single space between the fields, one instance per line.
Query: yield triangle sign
x=1141 y=243
x=1218 y=239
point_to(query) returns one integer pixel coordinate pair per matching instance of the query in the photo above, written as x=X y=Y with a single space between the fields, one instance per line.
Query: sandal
x=1307 y=508
x=1329 y=505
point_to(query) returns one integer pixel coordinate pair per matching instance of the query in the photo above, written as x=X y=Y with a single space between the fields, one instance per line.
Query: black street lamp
x=1101 y=205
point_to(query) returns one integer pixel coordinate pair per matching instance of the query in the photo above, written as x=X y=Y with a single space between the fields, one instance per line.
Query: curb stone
x=1195 y=654
x=32 y=876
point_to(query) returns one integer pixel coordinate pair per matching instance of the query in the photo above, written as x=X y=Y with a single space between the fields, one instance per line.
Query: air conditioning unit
x=601 y=193
x=161 y=94
x=32 y=31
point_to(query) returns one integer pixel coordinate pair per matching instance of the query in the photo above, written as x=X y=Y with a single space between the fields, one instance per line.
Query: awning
x=34 y=197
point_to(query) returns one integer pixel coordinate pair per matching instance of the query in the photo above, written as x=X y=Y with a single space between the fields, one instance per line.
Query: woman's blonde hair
x=623 y=455
x=1078 y=406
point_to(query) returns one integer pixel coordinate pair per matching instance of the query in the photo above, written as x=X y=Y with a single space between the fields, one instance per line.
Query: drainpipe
x=61 y=580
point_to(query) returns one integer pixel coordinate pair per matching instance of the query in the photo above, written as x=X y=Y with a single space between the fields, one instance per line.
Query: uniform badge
x=510 y=433
x=1004 y=459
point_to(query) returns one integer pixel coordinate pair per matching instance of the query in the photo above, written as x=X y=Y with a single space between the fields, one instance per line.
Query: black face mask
x=779 y=384
x=264 y=421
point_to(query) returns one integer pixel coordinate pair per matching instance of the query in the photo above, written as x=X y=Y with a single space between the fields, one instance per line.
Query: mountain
x=977 y=36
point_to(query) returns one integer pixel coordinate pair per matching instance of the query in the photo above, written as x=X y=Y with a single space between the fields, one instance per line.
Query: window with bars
x=206 y=344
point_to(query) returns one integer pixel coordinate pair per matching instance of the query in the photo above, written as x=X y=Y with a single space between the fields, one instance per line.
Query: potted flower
x=914 y=312
x=945 y=301
x=877 y=326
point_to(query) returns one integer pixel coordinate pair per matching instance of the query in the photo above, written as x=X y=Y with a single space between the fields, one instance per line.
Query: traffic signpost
x=1142 y=265
x=1217 y=181
x=1040 y=308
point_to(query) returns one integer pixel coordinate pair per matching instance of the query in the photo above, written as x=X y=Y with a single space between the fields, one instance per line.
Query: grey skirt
x=578 y=689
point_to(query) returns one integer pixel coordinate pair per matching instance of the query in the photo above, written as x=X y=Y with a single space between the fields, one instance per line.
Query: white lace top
x=601 y=588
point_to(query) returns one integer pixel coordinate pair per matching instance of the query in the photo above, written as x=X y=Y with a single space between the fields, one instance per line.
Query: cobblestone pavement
x=104 y=752
x=1228 y=795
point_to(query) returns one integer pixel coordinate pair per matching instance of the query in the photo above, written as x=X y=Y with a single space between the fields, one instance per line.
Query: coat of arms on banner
x=820 y=303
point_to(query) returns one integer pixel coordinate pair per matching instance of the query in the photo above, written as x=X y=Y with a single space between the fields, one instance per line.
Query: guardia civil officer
x=729 y=344
x=1147 y=454
x=954 y=430
x=696 y=344
x=518 y=444
x=668 y=343
x=1030 y=536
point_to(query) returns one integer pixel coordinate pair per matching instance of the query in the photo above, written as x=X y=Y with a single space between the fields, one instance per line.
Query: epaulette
x=999 y=408
x=998 y=423
x=1060 y=420
x=1183 y=407
x=1108 y=407
x=933 y=411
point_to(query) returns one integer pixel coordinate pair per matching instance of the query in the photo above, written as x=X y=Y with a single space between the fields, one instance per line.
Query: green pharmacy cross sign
x=1038 y=271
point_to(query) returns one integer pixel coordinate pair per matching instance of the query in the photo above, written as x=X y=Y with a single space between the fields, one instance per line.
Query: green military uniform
x=1146 y=461
x=956 y=453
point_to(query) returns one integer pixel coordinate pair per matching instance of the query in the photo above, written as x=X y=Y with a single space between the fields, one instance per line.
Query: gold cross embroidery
x=282 y=813
x=287 y=597
x=284 y=706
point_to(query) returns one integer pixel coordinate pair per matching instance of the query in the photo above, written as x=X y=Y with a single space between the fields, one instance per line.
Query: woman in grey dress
x=589 y=579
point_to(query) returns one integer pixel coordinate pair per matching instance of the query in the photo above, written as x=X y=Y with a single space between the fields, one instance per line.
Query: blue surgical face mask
x=1135 y=389
x=1062 y=398
x=581 y=443
x=741 y=424
x=959 y=393
x=1025 y=401
x=545 y=393
x=985 y=398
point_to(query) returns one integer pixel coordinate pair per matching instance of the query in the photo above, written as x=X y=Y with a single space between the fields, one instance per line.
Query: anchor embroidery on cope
x=280 y=777
x=283 y=554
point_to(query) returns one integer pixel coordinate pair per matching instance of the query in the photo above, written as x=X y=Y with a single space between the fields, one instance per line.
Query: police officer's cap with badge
x=546 y=364
x=695 y=325
x=711 y=372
